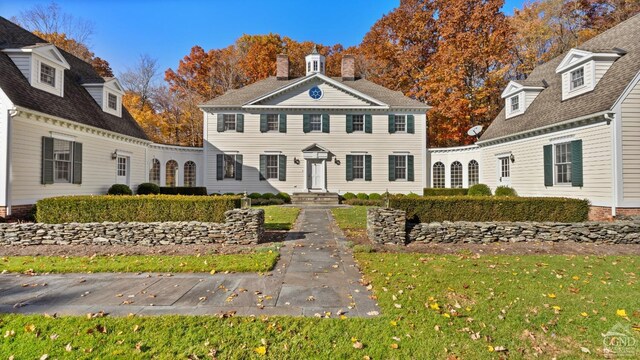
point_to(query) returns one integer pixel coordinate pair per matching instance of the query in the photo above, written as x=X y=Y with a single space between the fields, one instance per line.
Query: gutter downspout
x=10 y=114
x=615 y=118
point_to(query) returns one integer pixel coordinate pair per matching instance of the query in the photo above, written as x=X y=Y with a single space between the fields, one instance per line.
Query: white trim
x=562 y=139
x=454 y=149
x=627 y=90
x=61 y=136
x=123 y=153
x=582 y=57
x=617 y=180
x=41 y=50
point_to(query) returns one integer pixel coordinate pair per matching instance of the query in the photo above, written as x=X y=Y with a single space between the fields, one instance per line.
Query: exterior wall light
x=512 y=158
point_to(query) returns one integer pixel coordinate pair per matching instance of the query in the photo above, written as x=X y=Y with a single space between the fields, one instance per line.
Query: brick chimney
x=348 y=68
x=282 y=66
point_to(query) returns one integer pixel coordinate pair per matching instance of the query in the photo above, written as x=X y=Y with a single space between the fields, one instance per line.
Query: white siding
x=447 y=156
x=529 y=96
x=589 y=78
x=631 y=145
x=96 y=93
x=601 y=68
x=5 y=105
x=527 y=172
x=300 y=96
x=23 y=62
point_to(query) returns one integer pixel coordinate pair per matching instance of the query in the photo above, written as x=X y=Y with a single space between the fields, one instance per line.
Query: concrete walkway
x=316 y=276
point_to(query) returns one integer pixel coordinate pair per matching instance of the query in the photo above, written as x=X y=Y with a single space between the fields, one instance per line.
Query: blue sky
x=167 y=30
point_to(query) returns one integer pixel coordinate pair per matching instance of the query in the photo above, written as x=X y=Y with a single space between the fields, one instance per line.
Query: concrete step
x=311 y=198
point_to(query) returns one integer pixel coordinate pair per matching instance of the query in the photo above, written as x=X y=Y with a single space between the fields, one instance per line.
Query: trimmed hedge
x=148 y=189
x=489 y=209
x=124 y=208
x=363 y=202
x=479 y=190
x=265 y=202
x=119 y=189
x=444 y=192
x=505 y=191
x=284 y=197
x=183 y=190
x=349 y=196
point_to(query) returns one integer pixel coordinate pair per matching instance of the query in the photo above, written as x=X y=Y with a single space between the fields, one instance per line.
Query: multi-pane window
x=438 y=175
x=171 y=175
x=515 y=103
x=401 y=167
x=474 y=172
x=316 y=122
x=229 y=166
x=358 y=166
x=272 y=167
x=122 y=166
x=456 y=174
x=61 y=161
x=47 y=75
x=272 y=122
x=154 y=172
x=315 y=65
x=577 y=78
x=229 y=122
x=505 y=171
x=400 y=122
x=563 y=163
x=189 y=173
x=112 y=102
x=358 y=122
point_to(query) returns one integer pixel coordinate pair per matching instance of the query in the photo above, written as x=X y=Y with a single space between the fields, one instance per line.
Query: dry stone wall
x=386 y=226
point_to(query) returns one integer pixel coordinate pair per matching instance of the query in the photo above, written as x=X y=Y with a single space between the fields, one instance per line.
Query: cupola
x=315 y=62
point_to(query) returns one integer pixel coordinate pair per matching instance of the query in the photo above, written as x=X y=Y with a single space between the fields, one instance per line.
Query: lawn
x=353 y=218
x=448 y=307
x=279 y=218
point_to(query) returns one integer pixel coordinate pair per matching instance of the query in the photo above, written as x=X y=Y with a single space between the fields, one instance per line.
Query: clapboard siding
x=630 y=110
x=588 y=81
x=331 y=96
x=601 y=68
x=23 y=62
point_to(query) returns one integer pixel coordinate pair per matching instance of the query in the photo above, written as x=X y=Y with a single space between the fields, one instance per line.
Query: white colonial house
x=64 y=131
x=315 y=134
x=572 y=129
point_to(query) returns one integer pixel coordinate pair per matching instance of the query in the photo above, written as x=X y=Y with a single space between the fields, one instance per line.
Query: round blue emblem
x=315 y=93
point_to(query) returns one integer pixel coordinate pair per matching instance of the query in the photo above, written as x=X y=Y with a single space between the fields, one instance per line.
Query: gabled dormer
x=518 y=97
x=581 y=70
x=43 y=65
x=108 y=95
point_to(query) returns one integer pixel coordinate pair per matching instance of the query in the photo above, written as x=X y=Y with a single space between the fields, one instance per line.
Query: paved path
x=316 y=274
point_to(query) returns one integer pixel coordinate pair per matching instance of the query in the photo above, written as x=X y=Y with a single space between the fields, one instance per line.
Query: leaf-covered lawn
x=257 y=262
x=446 y=307
x=351 y=218
x=279 y=218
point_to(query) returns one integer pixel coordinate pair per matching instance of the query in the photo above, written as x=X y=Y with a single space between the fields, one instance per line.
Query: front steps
x=312 y=198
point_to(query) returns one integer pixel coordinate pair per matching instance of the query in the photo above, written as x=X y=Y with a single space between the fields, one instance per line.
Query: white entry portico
x=316 y=158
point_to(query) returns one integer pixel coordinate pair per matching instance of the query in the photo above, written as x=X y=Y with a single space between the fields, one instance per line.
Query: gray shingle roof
x=548 y=108
x=239 y=97
x=76 y=105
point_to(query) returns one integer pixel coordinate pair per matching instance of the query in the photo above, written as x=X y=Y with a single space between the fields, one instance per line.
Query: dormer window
x=42 y=65
x=515 y=103
x=108 y=95
x=581 y=70
x=113 y=102
x=577 y=78
x=517 y=97
x=48 y=75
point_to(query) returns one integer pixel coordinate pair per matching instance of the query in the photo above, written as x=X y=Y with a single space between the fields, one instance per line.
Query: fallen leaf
x=262 y=350
x=358 y=345
x=68 y=348
x=621 y=313
x=394 y=346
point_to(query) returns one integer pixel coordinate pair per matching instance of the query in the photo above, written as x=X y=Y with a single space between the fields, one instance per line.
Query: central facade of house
x=315 y=134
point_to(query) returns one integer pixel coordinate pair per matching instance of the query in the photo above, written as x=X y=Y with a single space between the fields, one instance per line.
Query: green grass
x=505 y=300
x=353 y=218
x=257 y=262
x=279 y=218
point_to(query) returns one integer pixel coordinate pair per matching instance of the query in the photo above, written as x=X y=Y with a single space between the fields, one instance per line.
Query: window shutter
x=349 y=124
x=411 y=124
x=263 y=123
x=47 y=160
x=410 y=176
x=349 y=167
x=238 y=167
x=220 y=123
x=368 y=126
x=77 y=163
x=283 y=123
x=240 y=123
x=392 y=168
x=282 y=168
x=576 y=163
x=263 y=167
x=306 y=123
x=548 y=165
x=392 y=124
x=219 y=167
x=325 y=123
x=367 y=167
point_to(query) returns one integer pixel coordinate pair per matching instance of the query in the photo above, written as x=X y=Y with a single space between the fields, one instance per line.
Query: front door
x=315 y=178
x=122 y=176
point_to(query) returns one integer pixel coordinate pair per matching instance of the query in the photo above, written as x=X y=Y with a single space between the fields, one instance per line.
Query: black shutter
x=263 y=123
x=410 y=175
x=576 y=163
x=240 y=123
x=349 y=124
x=325 y=123
x=220 y=123
x=392 y=124
x=392 y=168
x=77 y=163
x=367 y=167
x=282 y=168
x=219 y=166
x=349 y=167
x=47 y=160
x=368 y=126
x=548 y=165
x=306 y=123
x=283 y=123
x=411 y=126
x=238 y=167
x=263 y=167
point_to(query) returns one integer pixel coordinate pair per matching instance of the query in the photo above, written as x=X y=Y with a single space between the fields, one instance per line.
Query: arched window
x=474 y=172
x=172 y=172
x=154 y=172
x=456 y=174
x=438 y=175
x=189 y=173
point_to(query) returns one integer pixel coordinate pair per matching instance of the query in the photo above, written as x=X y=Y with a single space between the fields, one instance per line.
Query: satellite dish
x=475 y=131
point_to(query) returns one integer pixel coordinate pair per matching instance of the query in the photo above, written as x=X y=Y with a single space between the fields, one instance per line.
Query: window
x=61 y=161
x=272 y=167
x=505 y=171
x=401 y=167
x=229 y=166
x=47 y=75
x=438 y=175
x=400 y=123
x=171 y=175
x=563 y=163
x=189 y=173
x=456 y=174
x=272 y=122
x=577 y=78
x=154 y=172
x=358 y=122
x=358 y=167
x=112 y=102
x=122 y=166
x=316 y=122
x=229 y=122
x=474 y=172
x=515 y=103
x=315 y=65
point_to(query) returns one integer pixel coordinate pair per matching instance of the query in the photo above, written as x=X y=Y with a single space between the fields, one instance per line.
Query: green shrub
x=412 y=195
x=479 y=190
x=362 y=196
x=466 y=208
x=120 y=189
x=375 y=196
x=268 y=196
x=505 y=191
x=183 y=190
x=349 y=196
x=148 y=189
x=360 y=202
x=149 y=208
x=363 y=249
x=255 y=196
x=284 y=197
x=444 y=192
x=264 y=202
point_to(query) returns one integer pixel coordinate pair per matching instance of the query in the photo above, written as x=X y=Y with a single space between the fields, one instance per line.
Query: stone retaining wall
x=386 y=226
x=242 y=226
